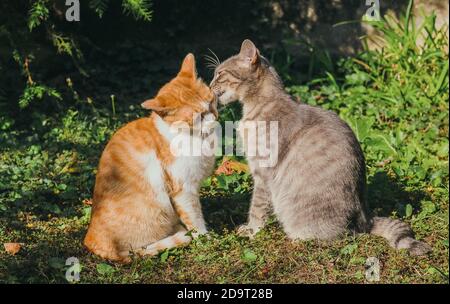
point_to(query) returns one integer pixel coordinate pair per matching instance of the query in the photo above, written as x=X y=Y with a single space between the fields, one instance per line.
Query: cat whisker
x=215 y=56
x=211 y=66
x=211 y=62
x=210 y=59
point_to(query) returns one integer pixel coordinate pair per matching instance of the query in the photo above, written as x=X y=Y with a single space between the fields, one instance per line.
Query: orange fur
x=126 y=214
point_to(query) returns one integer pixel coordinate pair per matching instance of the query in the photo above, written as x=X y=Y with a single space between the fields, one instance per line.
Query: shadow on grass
x=225 y=212
x=42 y=260
x=75 y=173
x=43 y=257
x=387 y=194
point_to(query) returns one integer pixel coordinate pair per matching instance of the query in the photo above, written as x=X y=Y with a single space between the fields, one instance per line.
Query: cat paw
x=195 y=234
x=150 y=250
x=247 y=231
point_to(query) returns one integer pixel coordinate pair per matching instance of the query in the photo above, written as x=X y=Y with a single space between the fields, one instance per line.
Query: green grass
x=396 y=101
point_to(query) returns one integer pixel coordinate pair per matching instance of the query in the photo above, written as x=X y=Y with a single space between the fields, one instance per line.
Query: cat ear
x=188 y=67
x=154 y=105
x=249 y=52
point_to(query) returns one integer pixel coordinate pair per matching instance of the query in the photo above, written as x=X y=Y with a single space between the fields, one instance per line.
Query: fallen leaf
x=384 y=162
x=228 y=167
x=12 y=248
x=87 y=202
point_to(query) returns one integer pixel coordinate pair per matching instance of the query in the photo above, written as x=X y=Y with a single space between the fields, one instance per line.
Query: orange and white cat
x=146 y=195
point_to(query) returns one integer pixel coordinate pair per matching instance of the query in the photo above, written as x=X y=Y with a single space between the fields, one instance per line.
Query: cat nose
x=215 y=89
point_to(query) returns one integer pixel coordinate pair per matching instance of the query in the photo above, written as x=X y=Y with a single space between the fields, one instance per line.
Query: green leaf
x=428 y=208
x=443 y=148
x=99 y=6
x=380 y=142
x=164 y=256
x=206 y=182
x=86 y=211
x=39 y=12
x=200 y=258
x=361 y=127
x=408 y=211
x=349 y=249
x=249 y=256
x=62 y=187
x=222 y=182
x=140 y=9
x=105 y=269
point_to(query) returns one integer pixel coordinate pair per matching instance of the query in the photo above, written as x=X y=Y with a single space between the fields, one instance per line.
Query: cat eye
x=220 y=73
x=219 y=76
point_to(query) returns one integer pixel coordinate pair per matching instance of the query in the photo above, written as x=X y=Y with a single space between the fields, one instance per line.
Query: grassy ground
x=396 y=100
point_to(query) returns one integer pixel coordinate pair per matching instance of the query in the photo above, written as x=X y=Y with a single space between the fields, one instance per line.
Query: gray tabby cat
x=317 y=187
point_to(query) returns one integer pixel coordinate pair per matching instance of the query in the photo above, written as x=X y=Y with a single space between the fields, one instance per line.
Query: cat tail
x=398 y=234
x=178 y=239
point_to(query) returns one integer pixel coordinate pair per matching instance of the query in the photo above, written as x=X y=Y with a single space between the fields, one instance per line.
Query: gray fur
x=317 y=188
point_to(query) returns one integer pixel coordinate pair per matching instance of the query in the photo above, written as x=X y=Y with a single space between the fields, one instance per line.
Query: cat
x=146 y=195
x=317 y=187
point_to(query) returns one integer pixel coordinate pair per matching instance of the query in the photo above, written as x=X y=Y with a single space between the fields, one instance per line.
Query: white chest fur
x=190 y=165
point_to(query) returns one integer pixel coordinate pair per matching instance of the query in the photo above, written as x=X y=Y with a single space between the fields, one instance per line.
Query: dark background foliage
x=66 y=87
x=117 y=51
